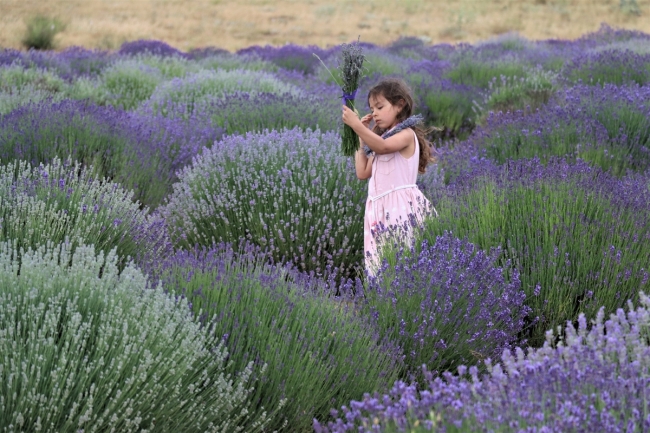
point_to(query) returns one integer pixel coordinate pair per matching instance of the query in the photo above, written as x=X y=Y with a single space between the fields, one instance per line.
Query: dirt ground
x=235 y=24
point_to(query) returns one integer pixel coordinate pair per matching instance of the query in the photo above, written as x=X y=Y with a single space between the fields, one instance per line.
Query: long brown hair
x=398 y=94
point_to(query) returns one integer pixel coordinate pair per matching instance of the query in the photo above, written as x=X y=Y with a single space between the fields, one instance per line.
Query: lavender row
x=577 y=235
x=608 y=126
x=585 y=378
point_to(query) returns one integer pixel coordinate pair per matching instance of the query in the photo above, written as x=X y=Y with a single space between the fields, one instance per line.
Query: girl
x=391 y=155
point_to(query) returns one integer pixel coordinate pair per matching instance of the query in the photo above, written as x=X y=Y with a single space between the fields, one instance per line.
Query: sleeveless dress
x=393 y=199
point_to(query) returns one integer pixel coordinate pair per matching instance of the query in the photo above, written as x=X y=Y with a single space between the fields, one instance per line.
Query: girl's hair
x=398 y=93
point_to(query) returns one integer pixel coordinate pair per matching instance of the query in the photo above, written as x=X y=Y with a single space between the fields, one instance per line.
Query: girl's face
x=384 y=114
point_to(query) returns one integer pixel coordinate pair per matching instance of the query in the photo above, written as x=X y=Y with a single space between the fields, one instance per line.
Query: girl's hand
x=366 y=120
x=350 y=118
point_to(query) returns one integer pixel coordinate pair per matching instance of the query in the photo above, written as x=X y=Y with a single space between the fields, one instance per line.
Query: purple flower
x=453 y=302
x=594 y=379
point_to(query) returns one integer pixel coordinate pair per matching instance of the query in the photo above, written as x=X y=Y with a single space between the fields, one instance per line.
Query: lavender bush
x=290 y=56
x=480 y=74
x=69 y=64
x=86 y=347
x=20 y=86
x=608 y=126
x=288 y=192
x=451 y=107
x=171 y=66
x=140 y=152
x=613 y=66
x=126 y=84
x=530 y=91
x=242 y=112
x=206 y=84
x=577 y=235
x=59 y=201
x=446 y=303
x=228 y=62
x=635 y=45
x=319 y=354
x=149 y=47
x=584 y=379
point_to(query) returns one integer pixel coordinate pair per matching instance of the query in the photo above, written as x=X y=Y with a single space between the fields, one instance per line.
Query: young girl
x=391 y=160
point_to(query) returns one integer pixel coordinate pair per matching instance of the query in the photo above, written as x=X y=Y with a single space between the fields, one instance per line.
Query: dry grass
x=234 y=24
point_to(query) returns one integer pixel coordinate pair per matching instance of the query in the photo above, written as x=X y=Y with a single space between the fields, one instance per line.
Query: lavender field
x=181 y=242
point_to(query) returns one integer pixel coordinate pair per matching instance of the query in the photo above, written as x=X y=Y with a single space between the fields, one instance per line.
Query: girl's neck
x=394 y=124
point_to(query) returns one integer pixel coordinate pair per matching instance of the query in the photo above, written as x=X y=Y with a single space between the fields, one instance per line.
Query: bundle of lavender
x=350 y=72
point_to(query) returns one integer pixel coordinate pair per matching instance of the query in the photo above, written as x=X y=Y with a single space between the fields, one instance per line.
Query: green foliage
x=472 y=72
x=128 y=83
x=242 y=113
x=530 y=91
x=185 y=94
x=451 y=111
x=21 y=86
x=84 y=347
x=318 y=354
x=52 y=203
x=41 y=31
x=229 y=62
x=575 y=249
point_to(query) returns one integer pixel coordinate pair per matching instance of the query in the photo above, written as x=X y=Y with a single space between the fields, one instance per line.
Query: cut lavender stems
x=350 y=71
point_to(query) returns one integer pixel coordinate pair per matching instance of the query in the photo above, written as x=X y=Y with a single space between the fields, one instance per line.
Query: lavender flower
x=556 y=223
x=446 y=303
x=105 y=350
x=49 y=204
x=285 y=191
x=318 y=352
x=145 y=46
x=139 y=151
x=585 y=379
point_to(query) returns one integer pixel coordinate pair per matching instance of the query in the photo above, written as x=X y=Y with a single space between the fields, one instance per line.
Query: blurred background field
x=236 y=24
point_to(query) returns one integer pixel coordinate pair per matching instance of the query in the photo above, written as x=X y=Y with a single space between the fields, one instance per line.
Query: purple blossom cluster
x=608 y=126
x=589 y=378
x=610 y=66
x=148 y=46
x=577 y=235
x=141 y=152
x=293 y=57
x=446 y=303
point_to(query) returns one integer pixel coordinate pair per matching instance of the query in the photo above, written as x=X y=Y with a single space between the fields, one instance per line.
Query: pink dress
x=392 y=197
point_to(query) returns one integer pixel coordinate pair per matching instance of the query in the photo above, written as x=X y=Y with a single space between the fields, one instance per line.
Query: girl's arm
x=380 y=146
x=362 y=163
